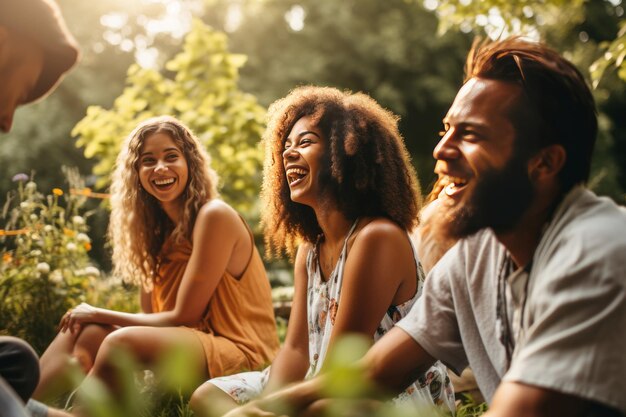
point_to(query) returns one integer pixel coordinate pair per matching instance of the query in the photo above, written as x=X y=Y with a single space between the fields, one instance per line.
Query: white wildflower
x=25 y=205
x=78 y=220
x=33 y=217
x=83 y=238
x=56 y=276
x=35 y=253
x=43 y=267
x=31 y=186
x=92 y=271
x=48 y=228
x=71 y=247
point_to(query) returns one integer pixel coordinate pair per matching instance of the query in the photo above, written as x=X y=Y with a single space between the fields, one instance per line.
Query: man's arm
x=395 y=361
x=514 y=399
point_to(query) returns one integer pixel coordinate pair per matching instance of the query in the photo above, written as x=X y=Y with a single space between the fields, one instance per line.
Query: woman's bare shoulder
x=216 y=209
x=381 y=228
x=220 y=218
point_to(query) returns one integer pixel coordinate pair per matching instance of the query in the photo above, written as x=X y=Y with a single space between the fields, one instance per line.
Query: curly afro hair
x=369 y=172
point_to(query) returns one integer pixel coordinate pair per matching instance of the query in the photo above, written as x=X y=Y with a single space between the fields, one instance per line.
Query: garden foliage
x=198 y=86
x=45 y=267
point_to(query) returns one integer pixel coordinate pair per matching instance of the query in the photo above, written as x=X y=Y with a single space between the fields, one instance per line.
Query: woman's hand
x=74 y=319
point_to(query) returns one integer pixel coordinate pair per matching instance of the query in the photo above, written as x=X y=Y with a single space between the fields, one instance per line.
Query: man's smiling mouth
x=455 y=185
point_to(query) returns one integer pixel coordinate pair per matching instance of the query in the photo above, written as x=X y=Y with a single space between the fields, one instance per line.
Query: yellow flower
x=88 y=246
x=57 y=191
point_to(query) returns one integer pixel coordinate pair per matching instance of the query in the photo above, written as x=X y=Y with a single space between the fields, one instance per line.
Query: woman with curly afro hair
x=203 y=285
x=339 y=193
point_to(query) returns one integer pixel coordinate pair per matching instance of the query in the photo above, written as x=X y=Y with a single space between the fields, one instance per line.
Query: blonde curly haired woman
x=203 y=285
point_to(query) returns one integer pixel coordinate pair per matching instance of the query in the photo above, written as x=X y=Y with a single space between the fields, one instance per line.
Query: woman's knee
x=88 y=344
x=209 y=397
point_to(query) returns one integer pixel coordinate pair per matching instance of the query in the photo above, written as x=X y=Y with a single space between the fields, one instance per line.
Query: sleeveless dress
x=238 y=329
x=432 y=387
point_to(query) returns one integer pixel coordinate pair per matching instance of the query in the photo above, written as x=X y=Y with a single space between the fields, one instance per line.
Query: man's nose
x=446 y=148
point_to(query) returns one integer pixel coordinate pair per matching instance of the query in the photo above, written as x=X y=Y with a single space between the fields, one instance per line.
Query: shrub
x=45 y=267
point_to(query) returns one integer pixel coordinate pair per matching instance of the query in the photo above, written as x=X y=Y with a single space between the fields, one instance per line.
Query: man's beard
x=498 y=201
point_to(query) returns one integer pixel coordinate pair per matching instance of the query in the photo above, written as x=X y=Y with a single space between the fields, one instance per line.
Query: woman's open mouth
x=163 y=184
x=296 y=175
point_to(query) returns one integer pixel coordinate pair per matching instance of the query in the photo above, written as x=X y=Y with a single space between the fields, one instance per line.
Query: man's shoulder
x=590 y=220
x=474 y=256
x=588 y=233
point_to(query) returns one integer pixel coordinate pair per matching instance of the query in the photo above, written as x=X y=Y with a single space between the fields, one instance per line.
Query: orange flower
x=88 y=246
x=7 y=258
x=68 y=232
x=57 y=191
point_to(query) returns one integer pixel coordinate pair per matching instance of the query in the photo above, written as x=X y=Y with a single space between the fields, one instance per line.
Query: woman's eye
x=172 y=157
x=147 y=161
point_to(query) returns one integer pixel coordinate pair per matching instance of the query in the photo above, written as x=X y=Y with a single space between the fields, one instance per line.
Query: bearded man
x=533 y=295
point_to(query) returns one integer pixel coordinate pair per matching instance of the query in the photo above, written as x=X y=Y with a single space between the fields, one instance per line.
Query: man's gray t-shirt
x=568 y=316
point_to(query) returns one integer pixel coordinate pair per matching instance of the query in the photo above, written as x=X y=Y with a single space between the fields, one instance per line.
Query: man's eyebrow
x=466 y=124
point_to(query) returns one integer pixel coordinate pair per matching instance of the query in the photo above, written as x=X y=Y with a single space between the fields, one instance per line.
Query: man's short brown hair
x=558 y=107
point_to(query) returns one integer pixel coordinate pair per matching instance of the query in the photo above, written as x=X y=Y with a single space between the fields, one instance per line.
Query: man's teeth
x=164 y=181
x=456 y=181
x=453 y=184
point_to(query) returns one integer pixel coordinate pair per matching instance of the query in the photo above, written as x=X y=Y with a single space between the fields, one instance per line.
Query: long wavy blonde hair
x=138 y=226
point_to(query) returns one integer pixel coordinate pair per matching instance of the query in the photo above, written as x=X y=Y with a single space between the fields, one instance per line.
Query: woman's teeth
x=167 y=181
x=295 y=174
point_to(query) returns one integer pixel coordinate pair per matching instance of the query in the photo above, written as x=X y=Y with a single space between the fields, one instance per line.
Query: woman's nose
x=160 y=166
x=290 y=153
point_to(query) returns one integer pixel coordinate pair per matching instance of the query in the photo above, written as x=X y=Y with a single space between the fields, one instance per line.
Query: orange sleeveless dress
x=237 y=330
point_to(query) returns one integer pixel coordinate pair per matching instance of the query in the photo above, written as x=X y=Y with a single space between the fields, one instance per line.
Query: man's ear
x=547 y=163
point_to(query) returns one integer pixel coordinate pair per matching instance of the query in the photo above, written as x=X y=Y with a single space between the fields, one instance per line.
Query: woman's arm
x=379 y=272
x=217 y=230
x=292 y=360
x=145 y=301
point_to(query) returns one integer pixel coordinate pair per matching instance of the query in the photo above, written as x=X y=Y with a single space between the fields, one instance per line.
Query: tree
x=384 y=48
x=201 y=89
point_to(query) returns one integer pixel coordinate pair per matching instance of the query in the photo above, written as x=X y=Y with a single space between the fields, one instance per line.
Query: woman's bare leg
x=79 y=347
x=148 y=345
x=210 y=401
